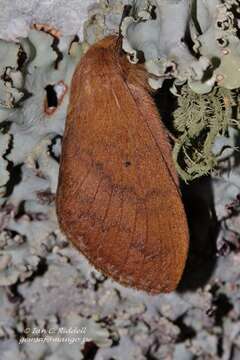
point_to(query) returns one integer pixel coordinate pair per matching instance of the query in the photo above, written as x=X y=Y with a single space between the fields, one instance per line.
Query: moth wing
x=118 y=199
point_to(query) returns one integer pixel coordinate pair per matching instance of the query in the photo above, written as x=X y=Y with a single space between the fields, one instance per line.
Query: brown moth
x=118 y=197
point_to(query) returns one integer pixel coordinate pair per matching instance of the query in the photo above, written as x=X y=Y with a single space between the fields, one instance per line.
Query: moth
x=118 y=199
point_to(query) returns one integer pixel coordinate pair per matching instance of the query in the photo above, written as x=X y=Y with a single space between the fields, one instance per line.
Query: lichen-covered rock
x=4 y=144
x=11 y=78
x=68 y=17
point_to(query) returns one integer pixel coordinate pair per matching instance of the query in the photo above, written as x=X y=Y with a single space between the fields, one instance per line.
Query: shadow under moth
x=118 y=197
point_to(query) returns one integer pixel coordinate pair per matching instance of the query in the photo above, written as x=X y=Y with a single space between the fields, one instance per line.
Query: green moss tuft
x=198 y=120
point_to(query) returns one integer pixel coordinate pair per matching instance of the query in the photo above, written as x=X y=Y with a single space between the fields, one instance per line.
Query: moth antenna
x=118 y=46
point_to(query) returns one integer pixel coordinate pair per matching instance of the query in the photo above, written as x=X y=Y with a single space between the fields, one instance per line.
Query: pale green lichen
x=187 y=40
x=4 y=144
x=215 y=33
x=199 y=120
x=11 y=78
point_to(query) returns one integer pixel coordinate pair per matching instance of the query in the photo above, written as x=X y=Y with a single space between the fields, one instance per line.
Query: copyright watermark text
x=67 y=335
